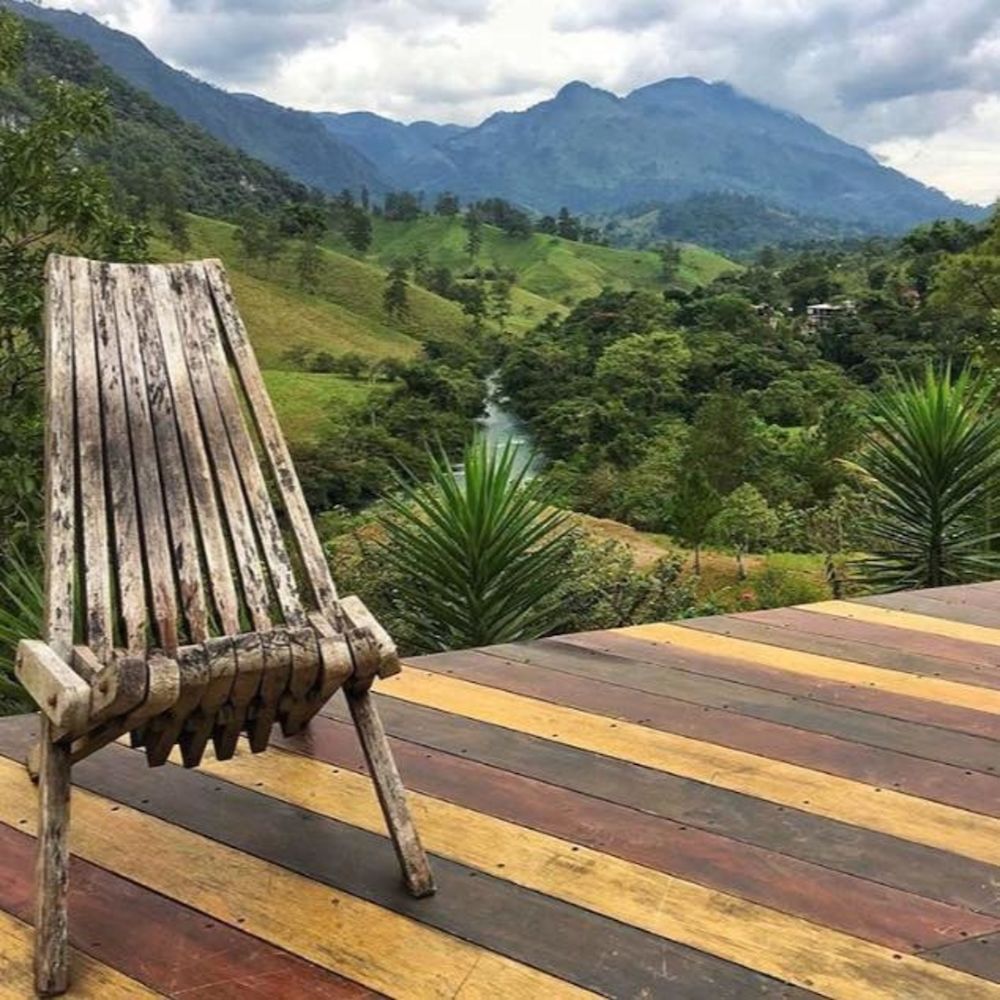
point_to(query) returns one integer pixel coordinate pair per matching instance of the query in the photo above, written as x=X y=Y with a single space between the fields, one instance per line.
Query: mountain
x=596 y=152
x=294 y=141
x=149 y=145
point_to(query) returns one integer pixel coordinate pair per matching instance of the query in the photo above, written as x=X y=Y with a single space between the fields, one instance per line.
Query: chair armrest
x=359 y=617
x=61 y=693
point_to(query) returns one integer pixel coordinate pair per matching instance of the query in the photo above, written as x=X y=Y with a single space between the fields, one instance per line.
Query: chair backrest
x=162 y=518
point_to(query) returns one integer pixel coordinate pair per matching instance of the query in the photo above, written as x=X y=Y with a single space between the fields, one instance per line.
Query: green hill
x=561 y=271
x=343 y=315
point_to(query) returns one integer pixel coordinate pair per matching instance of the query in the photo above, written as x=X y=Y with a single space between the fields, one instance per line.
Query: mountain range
x=671 y=142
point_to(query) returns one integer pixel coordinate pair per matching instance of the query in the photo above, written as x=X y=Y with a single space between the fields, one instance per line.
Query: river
x=500 y=425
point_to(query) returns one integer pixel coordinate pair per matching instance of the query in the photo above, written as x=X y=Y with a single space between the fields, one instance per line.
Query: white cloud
x=916 y=80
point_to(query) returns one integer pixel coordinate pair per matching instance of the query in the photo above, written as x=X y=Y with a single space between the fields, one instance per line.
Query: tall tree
x=447 y=204
x=395 y=300
x=746 y=522
x=693 y=507
x=359 y=230
x=474 y=233
x=931 y=465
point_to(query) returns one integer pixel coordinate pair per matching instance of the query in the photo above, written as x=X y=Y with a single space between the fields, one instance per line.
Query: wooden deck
x=776 y=804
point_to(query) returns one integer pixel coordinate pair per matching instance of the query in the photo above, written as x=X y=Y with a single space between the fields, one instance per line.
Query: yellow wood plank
x=830 y=962
x=825 y=667
x=907 y=619
x=374 y=946
x=89 y=979
x=892 y=812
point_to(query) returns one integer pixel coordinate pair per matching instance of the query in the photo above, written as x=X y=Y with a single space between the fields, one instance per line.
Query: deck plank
x=940 y=782
x=170 y=948
x=773 y=804
x=897 y=919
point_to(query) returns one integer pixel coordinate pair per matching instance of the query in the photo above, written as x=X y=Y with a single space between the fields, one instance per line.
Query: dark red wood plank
x=931 y=743
x=878 y=857
x=899 y=920
x=832 y=692
x=884 y=768
x=172 y=948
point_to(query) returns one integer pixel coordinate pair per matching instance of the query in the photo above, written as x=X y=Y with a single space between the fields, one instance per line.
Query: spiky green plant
x=932 y=461
x=21 y=606
x=480 y=553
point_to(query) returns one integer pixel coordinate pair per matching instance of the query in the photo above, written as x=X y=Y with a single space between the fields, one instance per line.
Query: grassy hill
x=557 y=270
x=343 y=315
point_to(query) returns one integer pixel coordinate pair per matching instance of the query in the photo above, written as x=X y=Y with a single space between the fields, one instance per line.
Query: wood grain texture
x=193 y=602
x=933 y=689
x=900 y=920
x=801 y=685
x=724 y=925
x=918 y=615
x=697 y=805
x=327 y=926
x=489 y=912
x=60 y=458
x=677 y=680
x=929 y=823
x=273 y=441
x=940 y=782
x=92 y=980
x=170 y=948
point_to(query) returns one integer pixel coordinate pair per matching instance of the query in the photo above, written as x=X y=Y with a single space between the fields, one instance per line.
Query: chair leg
x=52 y=866
x=391 y=794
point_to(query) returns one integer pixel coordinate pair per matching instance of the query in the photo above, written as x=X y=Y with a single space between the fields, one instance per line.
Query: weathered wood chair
x=187 y=593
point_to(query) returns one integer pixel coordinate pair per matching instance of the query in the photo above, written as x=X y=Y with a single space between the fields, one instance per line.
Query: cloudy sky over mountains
x=915 y=81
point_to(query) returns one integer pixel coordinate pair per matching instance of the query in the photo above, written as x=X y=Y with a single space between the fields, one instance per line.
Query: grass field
x=304 y=400
x=561 y=271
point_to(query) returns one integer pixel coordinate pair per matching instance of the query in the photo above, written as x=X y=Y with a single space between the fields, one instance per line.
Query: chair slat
x=90 y=449
x=173 y=474
x=197 y=325
x=129 y=576
x=266 y=422
x=248 y=465
x=60 y=460
x=156 y=540
x=206 y=509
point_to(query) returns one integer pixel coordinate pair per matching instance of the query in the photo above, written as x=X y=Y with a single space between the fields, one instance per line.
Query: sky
x=917 y=82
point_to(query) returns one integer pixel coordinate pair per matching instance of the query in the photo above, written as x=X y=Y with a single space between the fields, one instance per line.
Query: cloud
x=889 y=74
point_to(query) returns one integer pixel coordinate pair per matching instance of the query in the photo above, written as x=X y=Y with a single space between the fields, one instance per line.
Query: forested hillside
x=150 y=153
x=294 y=141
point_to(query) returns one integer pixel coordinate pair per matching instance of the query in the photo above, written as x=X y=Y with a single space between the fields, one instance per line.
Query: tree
x=366 y=199
x=643 y=371
x=931 y=464
x=308 y=262
x=52 y=202
x=567 y=226
x=499 y=300
x=447 y=204
x=359 y=230
x=401 y=206
x=694 y=505
x=395 y=301
x=479 y=553
x=670 y=261
x=474 y=233
x=746 y=522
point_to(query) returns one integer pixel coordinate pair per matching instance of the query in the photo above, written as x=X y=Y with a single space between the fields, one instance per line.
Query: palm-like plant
x=479 y=554
x=932 y=463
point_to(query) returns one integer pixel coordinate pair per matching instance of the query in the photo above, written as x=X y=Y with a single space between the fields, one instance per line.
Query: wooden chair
x=187 y=594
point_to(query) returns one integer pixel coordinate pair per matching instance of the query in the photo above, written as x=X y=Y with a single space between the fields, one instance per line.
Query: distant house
x=821 y=314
